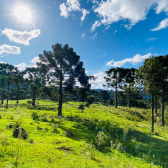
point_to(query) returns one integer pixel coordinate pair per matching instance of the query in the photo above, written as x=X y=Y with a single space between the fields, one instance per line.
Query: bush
x=34 y=116
x=101 y=140
x=20 y=133
x=81 y=107
x=44 y=118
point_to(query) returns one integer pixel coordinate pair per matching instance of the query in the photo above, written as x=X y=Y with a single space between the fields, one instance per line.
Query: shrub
x=44 y=118
x=101 y=139
x=81 y=107
x=34 y=116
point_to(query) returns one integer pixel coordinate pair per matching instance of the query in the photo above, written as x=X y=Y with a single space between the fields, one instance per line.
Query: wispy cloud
x=83 y=35
x=93 y=37
x=9 y=49
x=115 y=31
x=151 y=39
x=85 y=12
x=96 y=24
x=162 y=25
x=50 y=6
x=107 y=27
x=135 y=60
x=21 y=37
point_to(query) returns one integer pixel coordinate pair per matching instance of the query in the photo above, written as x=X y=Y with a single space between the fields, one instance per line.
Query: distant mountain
x=112 y=94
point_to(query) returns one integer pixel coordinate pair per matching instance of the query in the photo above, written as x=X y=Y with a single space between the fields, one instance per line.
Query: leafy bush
x=81 y=107
x=101 y=139
x=34 y=116
x=44 y=118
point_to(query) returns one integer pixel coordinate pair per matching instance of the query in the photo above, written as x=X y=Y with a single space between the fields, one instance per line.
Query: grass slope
x=102 y=137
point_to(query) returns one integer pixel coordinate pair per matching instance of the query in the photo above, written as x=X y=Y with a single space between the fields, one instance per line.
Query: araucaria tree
x=129 y=77
x=114 y=77
x=63 y=65
x=152 y=75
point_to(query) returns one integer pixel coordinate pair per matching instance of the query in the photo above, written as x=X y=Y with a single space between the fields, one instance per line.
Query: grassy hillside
x=102 y=137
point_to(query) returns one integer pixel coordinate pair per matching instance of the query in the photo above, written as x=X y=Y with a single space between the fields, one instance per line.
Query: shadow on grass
x=129 y=141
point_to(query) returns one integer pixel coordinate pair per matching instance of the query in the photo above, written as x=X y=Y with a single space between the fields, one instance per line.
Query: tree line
x=59 y=75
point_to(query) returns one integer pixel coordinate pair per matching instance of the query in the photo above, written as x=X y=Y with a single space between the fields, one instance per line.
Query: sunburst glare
x=23 y=13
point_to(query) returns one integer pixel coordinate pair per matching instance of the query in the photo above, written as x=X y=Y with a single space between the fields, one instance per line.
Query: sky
x=104 y=33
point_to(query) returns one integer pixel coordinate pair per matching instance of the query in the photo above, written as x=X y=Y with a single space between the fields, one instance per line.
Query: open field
x=102 y=137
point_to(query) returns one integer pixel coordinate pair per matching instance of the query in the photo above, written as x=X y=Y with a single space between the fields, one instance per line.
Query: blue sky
x=105 y=34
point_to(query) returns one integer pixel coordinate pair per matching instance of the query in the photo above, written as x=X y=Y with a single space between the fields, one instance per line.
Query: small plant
x=4 y=140
x=17 y=124
x=46 y=129
x=81 y=107
x=44 y=118
x=54 y=127
x=101 y=139
x=34 y=116
x=20 y=133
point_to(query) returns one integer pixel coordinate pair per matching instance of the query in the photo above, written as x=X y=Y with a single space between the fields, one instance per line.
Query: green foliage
x=34 y=116
x=103 y=96
x=101 y=139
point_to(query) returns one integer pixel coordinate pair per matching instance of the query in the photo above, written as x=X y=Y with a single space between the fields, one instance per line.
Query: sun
x=23 y=13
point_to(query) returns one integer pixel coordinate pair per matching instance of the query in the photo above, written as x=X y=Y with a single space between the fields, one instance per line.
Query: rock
x=69 y=133
x=20 y=133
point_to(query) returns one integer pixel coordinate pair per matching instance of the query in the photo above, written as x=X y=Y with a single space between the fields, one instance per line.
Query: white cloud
x=98 y=83
x=64 y=10
x=107 y=27
x=151 y=39
x=133 y=11
x=94 y=36
x=35 y=59
x=85 y=12
x=96 y=24
x=115 y=31
x=21 y=66
x=162 y=25
x=72 y=5
x=2 y=62
x=21 y=37
x=9 y=49
x=135 y=60
x=83 y=35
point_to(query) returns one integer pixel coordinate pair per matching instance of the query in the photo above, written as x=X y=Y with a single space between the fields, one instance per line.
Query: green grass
x=102 y=137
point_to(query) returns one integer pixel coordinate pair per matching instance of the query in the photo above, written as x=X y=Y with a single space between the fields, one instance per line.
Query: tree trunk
x=34 y=100
x=156 y=105
x=7 y=97
x=152 y=116
x=129 y=97
x=60 y=97
x=2 y=95
x=163 y=110
x=116 y=95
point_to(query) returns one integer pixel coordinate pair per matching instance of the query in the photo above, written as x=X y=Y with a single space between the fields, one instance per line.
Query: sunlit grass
x=129 y=142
